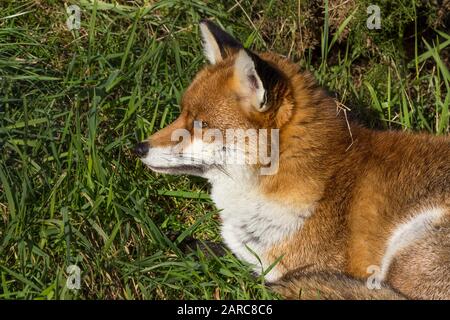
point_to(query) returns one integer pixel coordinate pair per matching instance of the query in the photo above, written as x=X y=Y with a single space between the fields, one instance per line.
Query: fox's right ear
x=217 y=44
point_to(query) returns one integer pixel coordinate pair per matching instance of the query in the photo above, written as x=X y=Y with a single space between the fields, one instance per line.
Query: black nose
x=141 y=149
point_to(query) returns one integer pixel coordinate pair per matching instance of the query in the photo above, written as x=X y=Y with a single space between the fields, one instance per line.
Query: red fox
x=341 y=212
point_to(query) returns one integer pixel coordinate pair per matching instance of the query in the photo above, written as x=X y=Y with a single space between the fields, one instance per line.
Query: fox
x=345 y=212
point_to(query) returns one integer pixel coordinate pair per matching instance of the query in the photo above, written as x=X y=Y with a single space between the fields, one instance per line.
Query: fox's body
x=345 y=204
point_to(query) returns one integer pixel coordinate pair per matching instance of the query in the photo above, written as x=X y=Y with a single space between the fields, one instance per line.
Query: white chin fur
x=197 y=155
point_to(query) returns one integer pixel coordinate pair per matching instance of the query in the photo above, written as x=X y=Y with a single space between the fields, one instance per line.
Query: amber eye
x=204 y=124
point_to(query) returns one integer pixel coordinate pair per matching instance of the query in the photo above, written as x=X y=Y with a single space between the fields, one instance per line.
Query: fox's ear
x=250 y=84
x=217 y=44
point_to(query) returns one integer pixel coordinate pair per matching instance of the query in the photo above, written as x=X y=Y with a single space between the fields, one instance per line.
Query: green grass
x=72 y=105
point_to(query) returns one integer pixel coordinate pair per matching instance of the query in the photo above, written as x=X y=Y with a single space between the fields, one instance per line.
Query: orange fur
x=361 y=183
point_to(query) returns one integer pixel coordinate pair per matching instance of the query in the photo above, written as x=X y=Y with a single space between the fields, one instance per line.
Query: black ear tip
x=213 y=27
x=209 y=24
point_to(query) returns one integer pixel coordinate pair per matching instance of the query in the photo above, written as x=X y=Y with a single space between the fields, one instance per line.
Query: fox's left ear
x=217 y=44
x=256 y=80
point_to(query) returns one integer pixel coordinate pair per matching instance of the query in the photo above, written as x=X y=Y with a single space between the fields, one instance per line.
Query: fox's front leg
x=327 y=285
x=208 y=248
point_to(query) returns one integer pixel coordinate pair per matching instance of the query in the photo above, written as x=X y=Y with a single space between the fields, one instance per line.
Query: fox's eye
x=200 y=124
x=204 y=124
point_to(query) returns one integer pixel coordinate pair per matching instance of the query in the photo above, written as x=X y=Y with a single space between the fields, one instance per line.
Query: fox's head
x=239 y=93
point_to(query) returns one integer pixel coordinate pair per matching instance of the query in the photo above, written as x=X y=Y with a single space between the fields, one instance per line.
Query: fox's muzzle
x=141 y=149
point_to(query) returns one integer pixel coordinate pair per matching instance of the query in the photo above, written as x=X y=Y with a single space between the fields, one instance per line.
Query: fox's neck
x=259 y=211
x=312 y=144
